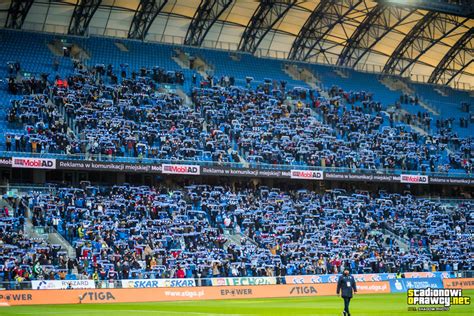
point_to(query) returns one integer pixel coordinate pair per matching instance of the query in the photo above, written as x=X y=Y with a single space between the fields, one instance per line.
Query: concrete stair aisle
x=180 y=92
x=121 y=46
x=399 y=114
x=441 y=91
x=341 y=73
x=424 y=104
x=236 y=239
x=303 y=74
x=183 y=59
x=243 y=162
x=292 y=71
x=232 y=239
x=234 y=57
x=76 y=51
x=416 y=128
x=49 y=234
x=402 y=242
x=396 y=84
x=428 y=107
x=55 y=238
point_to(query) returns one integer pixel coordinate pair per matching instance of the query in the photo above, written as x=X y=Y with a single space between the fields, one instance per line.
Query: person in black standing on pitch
x=346 y=285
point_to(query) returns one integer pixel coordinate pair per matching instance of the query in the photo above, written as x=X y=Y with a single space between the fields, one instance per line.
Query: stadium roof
x=428 y=46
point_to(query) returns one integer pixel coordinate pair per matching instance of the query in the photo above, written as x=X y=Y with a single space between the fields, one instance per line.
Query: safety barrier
x=79 y=162
x=463 y=283
x=84 y=296
x=151 y=282
x=87 y=296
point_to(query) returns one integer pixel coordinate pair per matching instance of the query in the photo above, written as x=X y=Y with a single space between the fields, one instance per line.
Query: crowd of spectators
x=135 y=119
x=127 y=232
x=347 y=130
x=322 y=232
x=93 y=116
x=24 y=258
x=46 y=131
x=132 y=119
x=131 y=232
x=28 y=85
x=156 y=74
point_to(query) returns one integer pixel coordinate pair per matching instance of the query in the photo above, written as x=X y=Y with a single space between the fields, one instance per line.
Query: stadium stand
x=130 y=232
x=24 y=258
x=204 y=151
x=296 y=138
x=440 y=150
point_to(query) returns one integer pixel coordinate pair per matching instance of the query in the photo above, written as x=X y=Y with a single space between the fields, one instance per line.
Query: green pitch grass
x=376 y=304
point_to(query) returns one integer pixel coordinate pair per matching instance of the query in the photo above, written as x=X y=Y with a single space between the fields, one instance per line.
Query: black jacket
x=347 y=284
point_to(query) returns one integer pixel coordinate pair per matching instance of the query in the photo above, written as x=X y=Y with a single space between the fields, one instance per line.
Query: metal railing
x=229 y=46
x=195 y=281
x=91 y=158
x=21 y=187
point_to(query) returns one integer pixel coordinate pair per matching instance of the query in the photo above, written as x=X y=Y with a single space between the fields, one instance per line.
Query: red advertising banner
x=87 y=296
x=463 y=283
x=181 y=169
x=33 y=163
x=306 y=174
x=413 y=178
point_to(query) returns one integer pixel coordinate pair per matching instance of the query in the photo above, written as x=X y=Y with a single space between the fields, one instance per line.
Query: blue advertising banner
x=402 y=285
x=146 y=283
x=370 y=277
